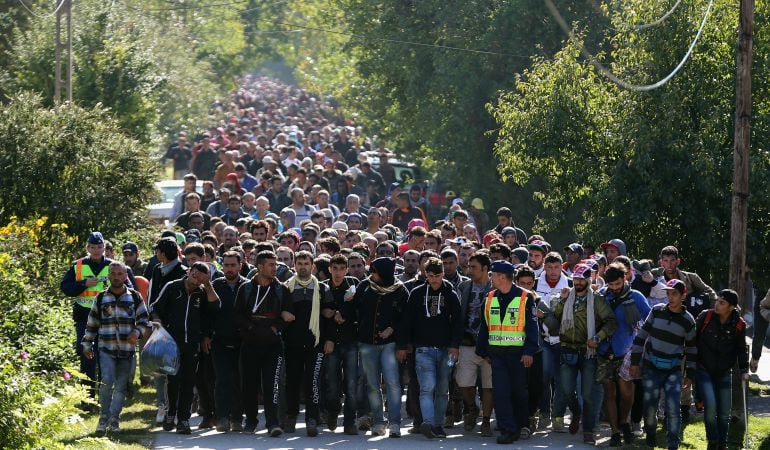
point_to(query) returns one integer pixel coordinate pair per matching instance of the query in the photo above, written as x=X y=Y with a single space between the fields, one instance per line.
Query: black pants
x=303 y=368
x=227 y=383
x=637 y=409
x=204 y=381
x=180 y=386
x=261 y=365
x=535 y=383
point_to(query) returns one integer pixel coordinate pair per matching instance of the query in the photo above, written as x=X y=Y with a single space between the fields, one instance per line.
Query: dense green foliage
x=73 y=165
x=39 y=393
x=653 y=168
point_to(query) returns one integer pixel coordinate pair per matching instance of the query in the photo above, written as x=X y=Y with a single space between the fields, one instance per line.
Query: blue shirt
x=623 y=337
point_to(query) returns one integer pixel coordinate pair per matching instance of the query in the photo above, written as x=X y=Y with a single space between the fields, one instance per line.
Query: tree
x=653 y=168
x=73 y=165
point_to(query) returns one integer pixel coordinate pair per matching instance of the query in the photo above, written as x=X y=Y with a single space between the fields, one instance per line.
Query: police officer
x=85 y=280
x=508 y=339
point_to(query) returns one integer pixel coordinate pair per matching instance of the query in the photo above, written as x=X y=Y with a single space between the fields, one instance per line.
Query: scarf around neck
x=568 y=317
x=315 y=313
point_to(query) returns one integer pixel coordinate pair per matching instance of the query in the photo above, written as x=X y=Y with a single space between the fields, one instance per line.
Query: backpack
x=134 y=294
x=739 y=326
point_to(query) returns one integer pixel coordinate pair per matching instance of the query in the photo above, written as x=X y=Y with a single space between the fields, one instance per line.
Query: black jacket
x=298 y=334
x=159 y=280
x=432 y=318
x=720 y=345
x=347 y=332
x=222 y=326
x=183 y=315
x=256 y=326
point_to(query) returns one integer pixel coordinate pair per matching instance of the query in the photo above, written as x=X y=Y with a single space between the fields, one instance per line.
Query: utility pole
x=742 y=143
x=63 y=14
x=740 y=191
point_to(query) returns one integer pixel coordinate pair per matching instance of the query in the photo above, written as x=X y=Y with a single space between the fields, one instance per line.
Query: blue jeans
x=112 y=391
x=653 y=380
x=433 y=377
x=345 y=357
x=716 y=394
x=379 y=361
x=552 y=382
x=586 y=368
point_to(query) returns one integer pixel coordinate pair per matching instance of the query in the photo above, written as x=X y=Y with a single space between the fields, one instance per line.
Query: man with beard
x=307 y=338
x=224 y=344
x=411 y=265
x=261 y=307
x=584 y=320
x=472 y=295
x=630 y=308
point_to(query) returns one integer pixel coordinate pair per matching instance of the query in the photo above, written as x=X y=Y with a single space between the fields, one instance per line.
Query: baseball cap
x=450 y=194
x=95 y=238
x=676 y=284
x=521 y=253
x=192 y=236
x=537 y=244
x=340 y=226
x=581 y=271
x=730 y=295
x=508 y=230
x=267 y=160
x=477 y=203
x=617 y=243
x=490 y=238
x=130 y=247
x=458 y=201
x=574 y=247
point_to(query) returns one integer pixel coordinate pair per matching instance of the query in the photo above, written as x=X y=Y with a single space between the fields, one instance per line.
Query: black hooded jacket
x=432 y=318
x=375 y=311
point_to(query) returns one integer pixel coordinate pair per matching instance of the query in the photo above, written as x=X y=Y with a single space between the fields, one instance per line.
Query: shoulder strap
x=707 y=319
x=136 y=296
x=740 y=324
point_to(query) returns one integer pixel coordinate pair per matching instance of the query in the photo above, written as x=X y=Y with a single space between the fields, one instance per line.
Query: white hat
x=458 y=201
x=340 y=226
x=267 y=160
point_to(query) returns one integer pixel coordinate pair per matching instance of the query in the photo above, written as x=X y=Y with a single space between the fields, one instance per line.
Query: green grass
x=135 y=424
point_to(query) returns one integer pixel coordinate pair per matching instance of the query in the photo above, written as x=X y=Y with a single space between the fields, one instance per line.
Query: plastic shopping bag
x=160 y=354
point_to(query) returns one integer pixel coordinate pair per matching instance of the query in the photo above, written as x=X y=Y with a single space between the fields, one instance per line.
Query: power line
x=43 y=16
x=612 y=77
x=663 y=18
x=182 y=7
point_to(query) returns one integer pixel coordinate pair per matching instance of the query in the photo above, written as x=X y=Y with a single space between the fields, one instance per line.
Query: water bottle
x=451 y=361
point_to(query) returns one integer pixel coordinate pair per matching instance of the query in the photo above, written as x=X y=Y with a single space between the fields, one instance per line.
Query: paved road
x=210 y=439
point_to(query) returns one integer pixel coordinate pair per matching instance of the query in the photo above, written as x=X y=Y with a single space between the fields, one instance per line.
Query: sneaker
x=486 y=428
x=427 y=431
x=378 y=430
x=350 y=430
x=506 y=438
x=206 y=423
x=290 y=425
x=251 y=425
x=524 y=433
x=588 y=438
x=223 y=426
x=101 y=429
x=615 y=440
x=628 y=434
x=449 y=422
x=276 y=431
x=544 y=422
x=574 y=424
x=236 y=425
x=114 y=426
x=753 y=365
x=311 y=427
x=395 y=430
x=558 y=425
x=439 y=432
x=160 y=416
x=183 y=427
x=168 y=423
x=365 y=423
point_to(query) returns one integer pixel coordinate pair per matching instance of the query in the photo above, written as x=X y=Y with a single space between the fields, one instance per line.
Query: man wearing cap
x=584 y=319
x=630 y=308
x=536 y=258
x=84 y=280
x=613 y=248
x=508 y=339
x=478 y=216
x=131 y=258
x=666 y=340
x=573 y=254
x=721 y=342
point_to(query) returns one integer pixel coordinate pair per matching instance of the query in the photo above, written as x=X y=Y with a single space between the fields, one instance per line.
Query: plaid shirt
x=113 y=320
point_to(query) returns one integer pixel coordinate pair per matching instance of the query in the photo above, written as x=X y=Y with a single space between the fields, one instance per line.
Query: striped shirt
x=113 y=319
x=666 y=334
